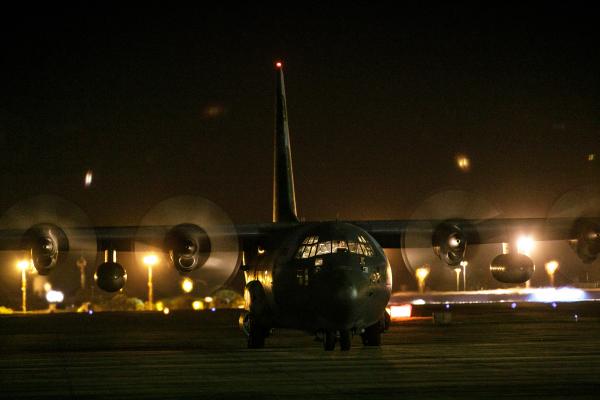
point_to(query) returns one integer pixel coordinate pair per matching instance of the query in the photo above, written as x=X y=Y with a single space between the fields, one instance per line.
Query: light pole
x=422 y=273
x=457 y=271
x=81 y=264
x=150 y=261
x=23 y=265
x=464 y=264
x=551 y=267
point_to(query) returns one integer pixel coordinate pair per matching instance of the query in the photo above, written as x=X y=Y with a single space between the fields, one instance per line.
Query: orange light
x=400 y=312
x=278 y=64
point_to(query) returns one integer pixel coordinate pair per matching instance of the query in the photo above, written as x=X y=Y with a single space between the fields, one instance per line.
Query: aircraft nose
x=346 y=293
x=337 y=297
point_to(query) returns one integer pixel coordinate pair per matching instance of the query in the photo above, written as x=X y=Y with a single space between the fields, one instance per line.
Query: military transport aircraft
x=331 y=278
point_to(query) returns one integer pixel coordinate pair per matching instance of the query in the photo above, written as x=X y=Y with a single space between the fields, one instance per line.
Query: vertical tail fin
x=284 y=195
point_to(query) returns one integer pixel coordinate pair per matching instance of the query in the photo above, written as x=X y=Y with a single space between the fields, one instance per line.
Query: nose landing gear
x=331 y=337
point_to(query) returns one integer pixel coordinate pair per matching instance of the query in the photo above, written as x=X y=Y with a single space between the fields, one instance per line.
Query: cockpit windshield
x=311 y=247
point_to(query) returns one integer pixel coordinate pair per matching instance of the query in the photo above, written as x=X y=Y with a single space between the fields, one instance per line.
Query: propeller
x=54 y=234
x=196 y=239
x=438 y=237
x=579 y=209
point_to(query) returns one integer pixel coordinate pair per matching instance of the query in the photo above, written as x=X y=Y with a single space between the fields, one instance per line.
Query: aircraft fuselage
x=327 y=276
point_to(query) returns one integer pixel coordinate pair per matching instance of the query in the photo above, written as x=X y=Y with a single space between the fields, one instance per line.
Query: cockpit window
x=324 y=248
x=311 y=247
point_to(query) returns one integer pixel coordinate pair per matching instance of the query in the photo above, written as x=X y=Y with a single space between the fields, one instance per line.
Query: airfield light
x=87 y=182
x=400 y=312
x=54 y=296
x=197 y=305
x=463 y=162
x=464 y=264
x=457 y=270
x=166 y=311
x=525 y=245
x=187 y=285
x=551 y=267
x=422 y=273
x=591 y=157
x=278 y=64
x=260 y=250
x=208 y=299
x=160 y=306
x=150 y=260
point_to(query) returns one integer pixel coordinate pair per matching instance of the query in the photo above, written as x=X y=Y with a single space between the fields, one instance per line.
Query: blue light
x=554 y=305
x=447 y=306
x=561 y=295
x=213 y=309
x=513 y=305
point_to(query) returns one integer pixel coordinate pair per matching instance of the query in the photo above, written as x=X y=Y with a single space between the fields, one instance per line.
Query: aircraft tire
x=345 y=340
x=372 y=335
x=256 y=334
x=329 y=340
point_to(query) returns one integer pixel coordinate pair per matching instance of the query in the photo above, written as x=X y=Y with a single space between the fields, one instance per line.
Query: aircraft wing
x=390 y=233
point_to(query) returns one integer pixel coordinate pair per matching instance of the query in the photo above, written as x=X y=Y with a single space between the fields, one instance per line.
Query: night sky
x=167 y=101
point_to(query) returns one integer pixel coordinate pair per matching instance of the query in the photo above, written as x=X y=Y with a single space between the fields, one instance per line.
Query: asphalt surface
x=485 y=352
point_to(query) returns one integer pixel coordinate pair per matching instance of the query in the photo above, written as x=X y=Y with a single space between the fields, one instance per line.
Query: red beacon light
x=278 y=64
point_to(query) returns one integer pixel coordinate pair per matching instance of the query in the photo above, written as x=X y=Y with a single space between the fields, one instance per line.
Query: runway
x=486 y=352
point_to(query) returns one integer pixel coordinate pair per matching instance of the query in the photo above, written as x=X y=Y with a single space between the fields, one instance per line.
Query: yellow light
x=160 y=306
x=23 y=265
x=422 y=273
x=463 y=162
x=187 y=285
x=261 y=250
x=197 y=305
x=551 y=267
x=525 y=245
x=150 y=260
x=400 y=312
x=591 y=157
x=208 y=299
x=166 y=311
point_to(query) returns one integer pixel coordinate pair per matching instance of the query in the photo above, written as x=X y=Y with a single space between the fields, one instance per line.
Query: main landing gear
x=255 y=331
x=372 y=334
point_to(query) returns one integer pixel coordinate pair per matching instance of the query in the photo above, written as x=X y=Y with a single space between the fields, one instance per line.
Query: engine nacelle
x=110 y=276
x=44 y=242
x=587 y=240
x=449 y=243
x=188 y=247
x=512 y=268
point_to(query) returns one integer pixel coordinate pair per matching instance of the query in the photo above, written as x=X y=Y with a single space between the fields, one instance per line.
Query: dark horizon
x=379 y=105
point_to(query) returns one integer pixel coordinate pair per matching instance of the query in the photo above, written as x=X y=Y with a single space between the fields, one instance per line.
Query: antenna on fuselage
x=284 y=195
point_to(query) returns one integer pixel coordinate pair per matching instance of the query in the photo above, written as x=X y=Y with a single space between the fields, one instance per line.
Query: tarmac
x=485 y=351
